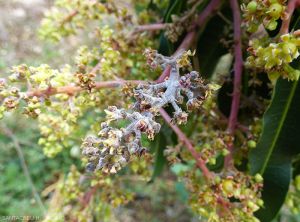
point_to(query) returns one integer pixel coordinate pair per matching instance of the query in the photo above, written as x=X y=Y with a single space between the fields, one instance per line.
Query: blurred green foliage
x=15 y=191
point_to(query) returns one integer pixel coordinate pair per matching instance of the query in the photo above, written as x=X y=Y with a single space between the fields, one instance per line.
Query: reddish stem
x=289 y=12
x=69 y=17
x=238 y=68
x=199 y=161
x=75 y=89
x=210 y=10
x=186 y=43
x=150 y=27
x=182 y=137
x=164 y=75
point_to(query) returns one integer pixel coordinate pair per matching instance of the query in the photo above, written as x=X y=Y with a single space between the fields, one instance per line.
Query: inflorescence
x=266 y=12
x=112 y=148
x=275 y=57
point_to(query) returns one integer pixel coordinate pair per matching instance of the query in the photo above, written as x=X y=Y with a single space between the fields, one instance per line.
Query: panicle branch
x=292 y=5
x=112 y=149
x=238 y=69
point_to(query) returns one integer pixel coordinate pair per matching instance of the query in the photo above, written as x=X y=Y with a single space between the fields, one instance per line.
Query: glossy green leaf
x=158 y=147
x=160 y=160
x=209 y=47
x=279 y=143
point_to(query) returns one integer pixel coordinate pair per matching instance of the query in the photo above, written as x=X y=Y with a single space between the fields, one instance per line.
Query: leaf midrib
x=279 y=128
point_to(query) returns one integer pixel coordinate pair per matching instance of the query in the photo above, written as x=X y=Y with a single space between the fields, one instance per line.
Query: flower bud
x=251 y=144
x=258 y=178
x=275 y=10
x=228 y=186
x=252 y=6
x=272 y=25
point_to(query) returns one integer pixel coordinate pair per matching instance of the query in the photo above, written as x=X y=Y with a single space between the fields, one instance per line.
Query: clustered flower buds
x=113 y=147
x=33 y=107
x=218 y=195
x=215 y=145
x=293 y=201
x=263 y=12
x=67 y=16
x=275 y=57
x=41 y=78
x=181 y=23
x=86 y=81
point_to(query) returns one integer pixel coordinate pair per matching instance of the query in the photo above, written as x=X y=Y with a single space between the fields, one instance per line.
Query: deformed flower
x=106 y=153
x=3 y=83
x=153 y=97
x=180 y=117
x=112 y=149
x=10 y=103
x=86 y=80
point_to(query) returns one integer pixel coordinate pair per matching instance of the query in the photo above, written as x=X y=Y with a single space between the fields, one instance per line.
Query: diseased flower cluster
x=276 y=57
x=266 y=12
x=112 y=149
x=48 y=94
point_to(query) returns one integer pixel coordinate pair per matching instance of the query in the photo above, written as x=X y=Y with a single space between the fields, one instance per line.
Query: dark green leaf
x=278 y=144
x=209 y=48
x=158 y=146
x=160 y=160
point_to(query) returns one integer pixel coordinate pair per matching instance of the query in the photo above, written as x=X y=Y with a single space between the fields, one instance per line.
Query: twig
x=223 y=17
x=238 y=68
x=185 y=44
x=289 y=12
x=182 y=137
x=209 y=11
x=150 y=27
x=191 y=11
x=69 y=17
x=199 y=161
x=164 y=75
x=224 y=120
x=96 y=68
x=18 y=148
x=88 y=196
x=70 y=90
